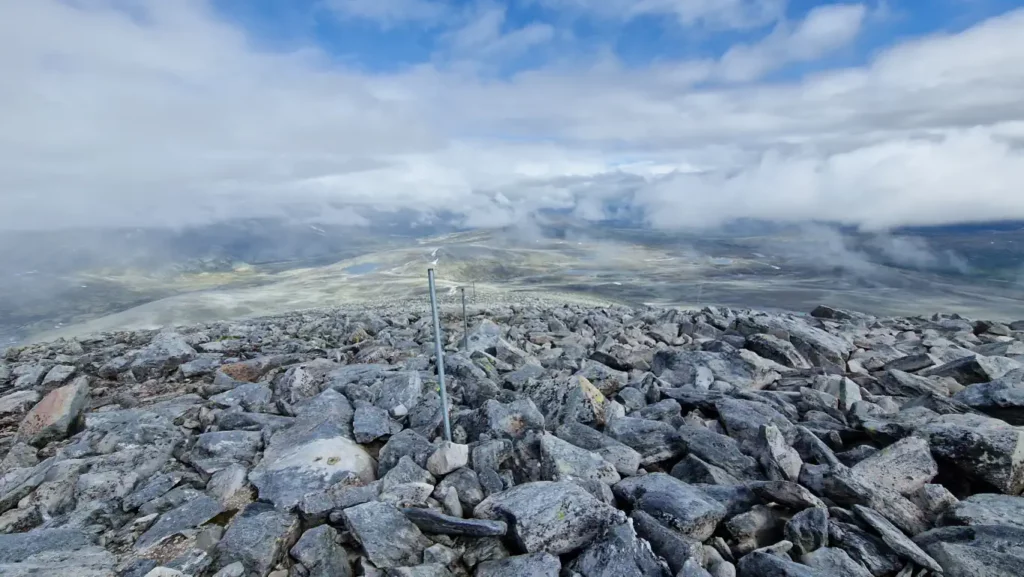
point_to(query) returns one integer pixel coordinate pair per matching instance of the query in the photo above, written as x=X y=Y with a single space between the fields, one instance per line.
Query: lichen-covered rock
x=678 y=505
x=259 y=538
x=387 y=537
x=54 y=416
x=554 y=517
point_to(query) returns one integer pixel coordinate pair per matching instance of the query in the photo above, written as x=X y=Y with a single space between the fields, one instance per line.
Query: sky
x=682 y=113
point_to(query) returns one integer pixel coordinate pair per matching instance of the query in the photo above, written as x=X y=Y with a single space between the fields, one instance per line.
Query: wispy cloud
x=172 y=115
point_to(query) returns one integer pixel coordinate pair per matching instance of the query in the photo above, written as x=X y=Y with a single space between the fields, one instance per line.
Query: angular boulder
x=672 y=502
x=556 y=518
x=54 y=417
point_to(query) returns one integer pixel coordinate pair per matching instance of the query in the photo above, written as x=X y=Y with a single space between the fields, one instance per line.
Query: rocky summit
x=586 y=441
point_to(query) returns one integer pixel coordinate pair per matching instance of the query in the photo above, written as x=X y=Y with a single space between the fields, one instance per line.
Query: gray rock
x=434 y=570
x=785 y=493
x=54 y=417
x=618 y=554
x=85 y=562
x=606 y=379
x=489 y=455
x=406 y=471
x=466 y=483
x=512 y=420
x=165 y=353
x=654 y=440
x=832 y=561
x=910 y=363
x=242 y=421
x=666 y=543
x=904 y=466
x=973 y=369
x=30 y=377
x=757 y=528
x=819 y=347
x=203 y=365
x=436 y=523
x=988 y=509
x=625 y=459
x=960 y=560
x=1002 y=398
x=187 y=516
x=895 y=539
x=743 y=420
x=531 y=565
x=672 y=502
x=321 y=555
x=17 y=547
x=259 y=537
x=561 y=461
x=865 y=549
x=402 y=388
x=720 y=451
x=252 y=397
x=554 y=517
x=483 y=337
x=230 y=486
x=780 y=461
x=808 y=530
x=371 y=423
x=285 y=475
x=18 y=402
x=776 y=349
x=215 y=451
x=692 y=469
x=982 y=448
x=235 y=569
x=934 y=500
x=761 y=564
x=701 y=368
x=448 y=457
x=844 y=487
x=57 y=376
x=407 y=443
x=387 y=536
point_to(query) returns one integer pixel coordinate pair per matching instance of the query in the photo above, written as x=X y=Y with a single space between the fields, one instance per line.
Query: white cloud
x=724 y=14
x=175 y=118
x=391 y=12
x=825 y=29
x=483 y=36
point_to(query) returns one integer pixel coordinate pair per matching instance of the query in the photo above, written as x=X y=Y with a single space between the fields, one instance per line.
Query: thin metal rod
x=465 y=322
x=438 y=350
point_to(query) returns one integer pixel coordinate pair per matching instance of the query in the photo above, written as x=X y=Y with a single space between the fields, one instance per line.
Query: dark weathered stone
x=192 y=514
x=808 y=530
x=436 y=523
x=618 y=554
x=554 y=517
x=259 y=537
x=666 y=543
x=531 y=565
x=654 y=440
x=759 y=564
x=387 y=536
x=674 y=503
x=320 y=554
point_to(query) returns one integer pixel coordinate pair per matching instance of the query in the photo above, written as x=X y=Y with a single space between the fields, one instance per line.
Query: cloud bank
x=159 y=113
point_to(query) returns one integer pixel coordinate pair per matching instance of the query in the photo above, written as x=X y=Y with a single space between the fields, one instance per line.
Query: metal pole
x=465 y=321
x=438 y=350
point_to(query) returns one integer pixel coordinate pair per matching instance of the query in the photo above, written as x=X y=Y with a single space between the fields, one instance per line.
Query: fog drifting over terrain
x=163 y=113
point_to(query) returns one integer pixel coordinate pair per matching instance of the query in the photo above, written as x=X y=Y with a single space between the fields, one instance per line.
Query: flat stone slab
x=437 y=523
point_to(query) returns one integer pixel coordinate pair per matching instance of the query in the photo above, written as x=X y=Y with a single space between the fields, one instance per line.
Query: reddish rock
x=53 y=417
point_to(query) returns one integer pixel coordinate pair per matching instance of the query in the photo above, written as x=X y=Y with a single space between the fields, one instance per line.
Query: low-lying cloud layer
x=160 y=113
